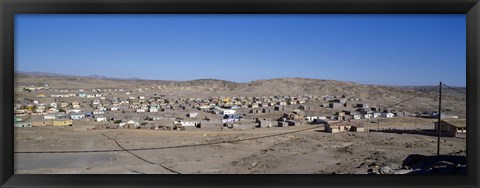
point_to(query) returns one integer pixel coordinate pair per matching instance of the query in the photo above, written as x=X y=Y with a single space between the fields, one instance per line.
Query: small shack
x=452 y=125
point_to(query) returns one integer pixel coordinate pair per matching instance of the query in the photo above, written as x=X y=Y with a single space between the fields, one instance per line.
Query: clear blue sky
x=369 y=49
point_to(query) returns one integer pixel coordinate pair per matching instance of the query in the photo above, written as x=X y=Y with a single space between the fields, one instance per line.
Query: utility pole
x=368 y=129
x=439 y=118
x=415 y=121
x=378 y=123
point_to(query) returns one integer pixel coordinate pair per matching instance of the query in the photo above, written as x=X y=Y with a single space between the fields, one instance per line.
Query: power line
x=455 y=89
x=425 y=92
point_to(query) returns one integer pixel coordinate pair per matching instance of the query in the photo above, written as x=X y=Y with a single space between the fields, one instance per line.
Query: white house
x=114 y=108
x=357 y=116
x=73 y=111
x=76 y=116
x=101 y=119
x=153 y=109
x=387 y=115
x=367 y=116
x=228 y=111
x=50 y=116
x=376 y=114
x=96 y=102
x=52 y=110
x=53 y=105
x=140 y=110
x=193 y=114
x=188 y=123
x=98 y=112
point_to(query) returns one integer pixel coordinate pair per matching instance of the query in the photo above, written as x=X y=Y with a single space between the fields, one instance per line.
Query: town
x=146 y=109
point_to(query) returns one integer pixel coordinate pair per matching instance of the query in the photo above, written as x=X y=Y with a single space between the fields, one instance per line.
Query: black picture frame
x=11 y=7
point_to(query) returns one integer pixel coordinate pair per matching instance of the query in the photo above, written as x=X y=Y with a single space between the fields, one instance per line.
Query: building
x=101 y=119
x=186 y=123
x=227 y=111
x=153 y=109
x=452 y=125
x=263 y=123
x=42 y=123
x=50 y=116
x=230 y=118
x=356 y=128
x=23 y=124
x=193 y=114
x=282 y=124
x=336 y=128
x=335 y=105
x=62 y=122
x=387 y=114
x=76 y=116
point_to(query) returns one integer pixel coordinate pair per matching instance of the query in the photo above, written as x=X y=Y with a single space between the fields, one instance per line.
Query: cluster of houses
x=100 y=105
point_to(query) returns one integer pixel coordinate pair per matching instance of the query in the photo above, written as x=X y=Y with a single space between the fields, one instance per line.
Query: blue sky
x=369 y=49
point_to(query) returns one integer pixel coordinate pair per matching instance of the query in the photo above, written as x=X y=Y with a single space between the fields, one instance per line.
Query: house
x=62 y=122
x=321 y=120
x=376 y=114
x=335 y=105
x=303 y=107
x=42 y=123
x=263 y=123
x=367 y=116
x=23 y=124
x=330 y=128
x=266 y=110
x=63 y=105
x=387 y=114
x=282 y=124
x=77 y=116
x=227 y=111
x=357 y=116
x=341 y=101
x=129 y=124
x=53 y=105
x=50 y=116
x=101 y=119
x=186 y=123
x=192 y=114
x=230 y=118
x=357 y=128
x=153 y=109
x=73 y=111
x=452 y=125
x=294 y=123
x=362 y=105
x=279 y=108
x=96 y=112
x=140 y=110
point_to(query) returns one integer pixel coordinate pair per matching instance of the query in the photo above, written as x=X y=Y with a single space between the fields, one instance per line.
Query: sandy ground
x=260 y=151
